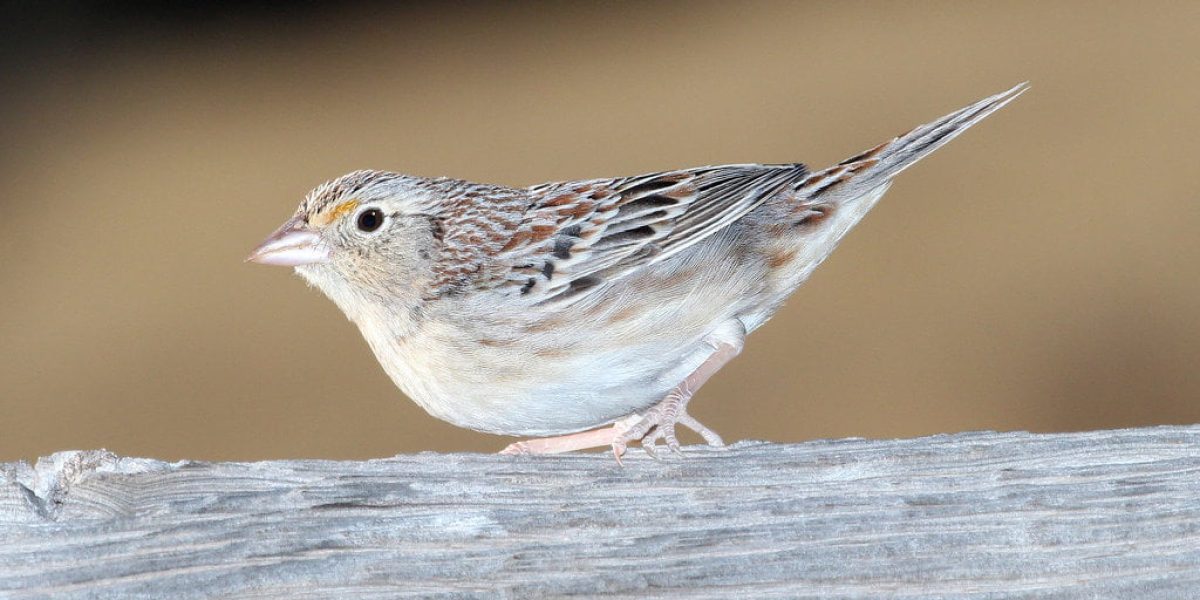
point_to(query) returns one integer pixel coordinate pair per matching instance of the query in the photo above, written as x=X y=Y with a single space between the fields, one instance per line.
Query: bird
x=583 y=314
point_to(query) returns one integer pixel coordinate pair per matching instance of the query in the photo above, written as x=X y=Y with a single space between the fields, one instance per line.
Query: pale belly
x=518 y=390
x=582 y=369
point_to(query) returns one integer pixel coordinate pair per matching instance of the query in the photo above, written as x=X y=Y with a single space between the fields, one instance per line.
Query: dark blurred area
x=1038 y=273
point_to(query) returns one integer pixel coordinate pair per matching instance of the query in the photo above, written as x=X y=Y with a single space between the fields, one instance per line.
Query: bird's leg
x=583 y=440
x=659 y=422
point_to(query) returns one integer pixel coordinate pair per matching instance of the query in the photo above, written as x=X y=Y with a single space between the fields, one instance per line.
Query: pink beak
x=291 y=245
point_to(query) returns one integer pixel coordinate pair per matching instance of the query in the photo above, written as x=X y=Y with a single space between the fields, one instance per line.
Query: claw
x=618 y=448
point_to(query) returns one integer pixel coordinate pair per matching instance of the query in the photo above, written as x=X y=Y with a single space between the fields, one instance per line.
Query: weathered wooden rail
x=1109 y=514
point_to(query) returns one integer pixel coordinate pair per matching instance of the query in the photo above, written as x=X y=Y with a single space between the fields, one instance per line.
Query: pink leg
x=583 y=440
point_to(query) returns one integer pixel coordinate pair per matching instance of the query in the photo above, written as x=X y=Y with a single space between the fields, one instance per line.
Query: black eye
x=369 y=220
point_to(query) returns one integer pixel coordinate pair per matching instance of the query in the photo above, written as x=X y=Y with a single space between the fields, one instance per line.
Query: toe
x=650 y=443
x=710 y=436
x=670 y=439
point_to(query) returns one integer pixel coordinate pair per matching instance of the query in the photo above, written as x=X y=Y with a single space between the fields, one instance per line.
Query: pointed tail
x=875 y=167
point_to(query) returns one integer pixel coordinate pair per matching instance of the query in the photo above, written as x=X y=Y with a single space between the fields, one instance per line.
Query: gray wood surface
x=1109 y=514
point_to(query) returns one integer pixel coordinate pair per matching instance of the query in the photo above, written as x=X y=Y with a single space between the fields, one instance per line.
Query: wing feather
x=604 y=230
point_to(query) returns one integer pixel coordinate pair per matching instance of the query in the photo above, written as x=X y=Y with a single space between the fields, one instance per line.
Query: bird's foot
x=659 y=424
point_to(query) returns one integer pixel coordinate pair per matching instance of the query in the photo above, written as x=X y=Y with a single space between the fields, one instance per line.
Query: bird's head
x=365 y=237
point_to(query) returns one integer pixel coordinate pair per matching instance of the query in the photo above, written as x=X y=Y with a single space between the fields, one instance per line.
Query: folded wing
x=577 y=236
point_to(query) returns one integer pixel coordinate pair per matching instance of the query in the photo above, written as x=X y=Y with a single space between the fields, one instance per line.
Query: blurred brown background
x=1038 y=273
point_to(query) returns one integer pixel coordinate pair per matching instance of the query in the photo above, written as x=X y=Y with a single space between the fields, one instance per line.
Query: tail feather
x=868 y=170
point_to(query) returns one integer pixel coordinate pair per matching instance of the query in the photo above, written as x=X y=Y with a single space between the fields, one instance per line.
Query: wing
x=577 y=236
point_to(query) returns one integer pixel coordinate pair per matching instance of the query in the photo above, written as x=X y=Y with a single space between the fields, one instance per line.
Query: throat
x=377 y=318
x=391 y=322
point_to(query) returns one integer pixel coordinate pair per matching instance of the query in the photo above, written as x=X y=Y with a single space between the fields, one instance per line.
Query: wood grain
x=1108 y=514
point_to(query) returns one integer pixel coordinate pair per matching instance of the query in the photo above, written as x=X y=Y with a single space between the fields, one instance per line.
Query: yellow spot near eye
x=334 y=213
